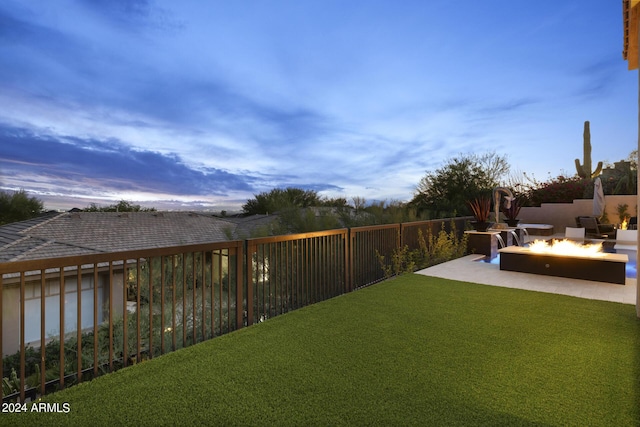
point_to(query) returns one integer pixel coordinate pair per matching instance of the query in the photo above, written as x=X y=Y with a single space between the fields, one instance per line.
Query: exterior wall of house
x=32 y=306
x=562 y=215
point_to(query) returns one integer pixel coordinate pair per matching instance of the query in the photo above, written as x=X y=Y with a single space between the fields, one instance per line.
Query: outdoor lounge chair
x=595 y=230
x=574 y=233
x=633 y=223
x=626 y=240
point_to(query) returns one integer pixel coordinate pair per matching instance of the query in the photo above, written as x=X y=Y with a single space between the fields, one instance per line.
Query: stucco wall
x=562 y=215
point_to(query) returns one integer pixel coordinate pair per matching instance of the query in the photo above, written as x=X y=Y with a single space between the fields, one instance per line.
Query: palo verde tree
x=444 y=192
x=280 y=199
x=18 y=206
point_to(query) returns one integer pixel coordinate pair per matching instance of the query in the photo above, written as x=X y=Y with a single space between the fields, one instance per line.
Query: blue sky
x=192 y=104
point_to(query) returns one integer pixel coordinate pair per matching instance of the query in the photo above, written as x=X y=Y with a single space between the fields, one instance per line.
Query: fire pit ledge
x=609 y=267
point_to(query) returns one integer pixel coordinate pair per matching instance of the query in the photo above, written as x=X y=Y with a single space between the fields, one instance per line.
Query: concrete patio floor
x=468 y=270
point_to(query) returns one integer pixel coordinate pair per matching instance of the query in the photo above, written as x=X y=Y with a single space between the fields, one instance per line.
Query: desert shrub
x=402 y=261
x=432 y=250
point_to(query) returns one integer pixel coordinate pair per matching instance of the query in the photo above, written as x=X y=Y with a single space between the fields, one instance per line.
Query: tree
x=121 y=206
x=18 y=207
x=359 y=203
x=279 y=199
x=633 y=159
x=627 y=182
x=305 y=220
x=444 y=192
x=495 y=167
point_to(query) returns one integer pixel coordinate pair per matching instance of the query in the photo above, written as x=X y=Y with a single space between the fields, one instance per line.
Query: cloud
x=114 y=87
x=204 y=105
x=12 y=29
x=491 y=109
x=125 y=97
x=112 y=165
x=121 y=9
x=133 y=14
x=596 y=79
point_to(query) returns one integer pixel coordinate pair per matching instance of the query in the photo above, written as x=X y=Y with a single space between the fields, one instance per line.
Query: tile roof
x=77 y=233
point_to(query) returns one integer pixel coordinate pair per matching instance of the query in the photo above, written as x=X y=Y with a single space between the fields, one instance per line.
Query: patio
x=468 y=269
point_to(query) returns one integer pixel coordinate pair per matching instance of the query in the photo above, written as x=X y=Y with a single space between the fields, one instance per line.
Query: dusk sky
x=202 y=104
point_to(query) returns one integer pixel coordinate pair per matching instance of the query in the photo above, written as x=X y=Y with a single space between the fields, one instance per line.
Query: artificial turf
x=414 y=350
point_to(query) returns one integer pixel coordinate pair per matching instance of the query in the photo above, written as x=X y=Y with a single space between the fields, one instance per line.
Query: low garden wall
x=562 y=215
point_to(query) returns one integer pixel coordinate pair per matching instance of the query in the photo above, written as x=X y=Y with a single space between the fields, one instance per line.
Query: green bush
x=435 y=249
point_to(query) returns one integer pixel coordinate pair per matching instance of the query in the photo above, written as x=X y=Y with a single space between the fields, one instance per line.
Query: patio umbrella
x=598 y=198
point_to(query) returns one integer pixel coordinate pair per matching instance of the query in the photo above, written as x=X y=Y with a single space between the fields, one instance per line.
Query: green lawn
x=414 y=350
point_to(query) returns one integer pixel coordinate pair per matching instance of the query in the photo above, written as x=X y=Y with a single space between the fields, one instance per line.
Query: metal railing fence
x=68 y=319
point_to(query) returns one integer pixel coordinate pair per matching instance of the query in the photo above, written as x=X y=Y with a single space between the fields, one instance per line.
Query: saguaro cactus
x=584 y=171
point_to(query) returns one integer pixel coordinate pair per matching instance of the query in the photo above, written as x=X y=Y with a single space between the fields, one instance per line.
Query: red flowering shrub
x=558 y=190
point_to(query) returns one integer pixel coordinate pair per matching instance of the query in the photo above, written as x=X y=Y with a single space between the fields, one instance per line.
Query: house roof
x=79 y=233
x=630 y=16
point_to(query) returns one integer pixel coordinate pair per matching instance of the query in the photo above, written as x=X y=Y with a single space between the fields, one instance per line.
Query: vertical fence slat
x=204 y=297
x=238 y=256
x=232 y=314
x=220 y=290
x=250 y=289
x=217 y=277
x=150 y=283
x=162 y=326
x=79 y=322
x=286 y=248
x=307 y=271
x=265 y=288
x=61 y=354
x=184 y=300
x=138 y=315
x=173 y=302
x=314 y=270
x=193 y=295
x=42 y=330
x=110 y=316
x=22 y=336
x=125 y=314
x=95 y=319
x=273 y=280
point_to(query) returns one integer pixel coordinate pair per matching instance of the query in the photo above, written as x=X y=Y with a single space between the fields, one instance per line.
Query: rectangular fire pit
x=607 y=268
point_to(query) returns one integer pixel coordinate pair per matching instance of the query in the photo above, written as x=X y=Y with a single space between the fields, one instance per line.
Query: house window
x=52 y=308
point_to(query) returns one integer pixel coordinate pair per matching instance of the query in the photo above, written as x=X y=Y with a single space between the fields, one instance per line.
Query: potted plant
x=511 y=212
x=481 y=209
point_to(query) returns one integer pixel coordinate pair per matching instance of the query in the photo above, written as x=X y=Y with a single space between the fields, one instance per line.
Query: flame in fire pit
x=566 y=247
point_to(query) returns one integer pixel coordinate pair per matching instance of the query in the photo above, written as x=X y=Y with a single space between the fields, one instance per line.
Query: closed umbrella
x=598 y=198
